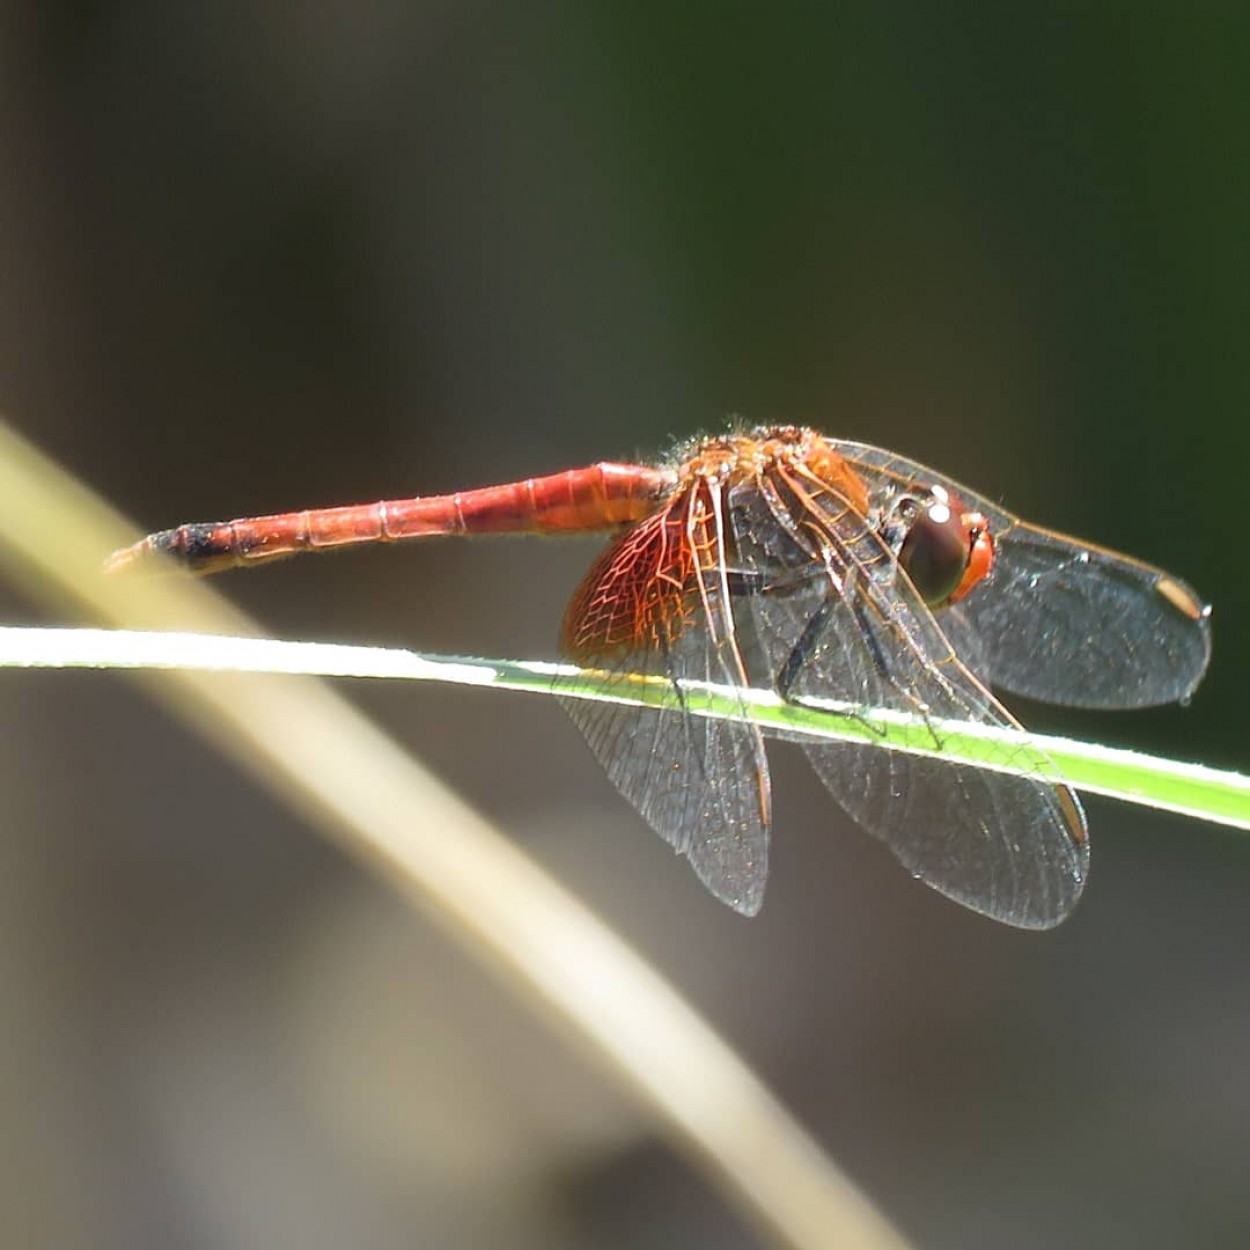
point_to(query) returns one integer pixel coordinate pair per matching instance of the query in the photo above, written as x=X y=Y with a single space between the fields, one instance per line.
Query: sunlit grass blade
x=1190 y=789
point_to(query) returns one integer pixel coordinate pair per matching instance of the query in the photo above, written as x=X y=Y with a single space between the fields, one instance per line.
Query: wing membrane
x=1070 y=623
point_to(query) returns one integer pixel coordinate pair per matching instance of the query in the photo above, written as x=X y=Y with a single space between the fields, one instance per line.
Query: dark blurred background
x=266 y=256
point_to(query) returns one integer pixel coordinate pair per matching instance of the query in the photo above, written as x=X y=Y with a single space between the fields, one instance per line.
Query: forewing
x=1065 y=621
x=1071 y=623
x=837 y=619
x=965 y=640
x=656 y=604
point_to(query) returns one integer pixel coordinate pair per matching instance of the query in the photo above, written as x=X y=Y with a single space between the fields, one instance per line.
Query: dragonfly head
x=945 y=550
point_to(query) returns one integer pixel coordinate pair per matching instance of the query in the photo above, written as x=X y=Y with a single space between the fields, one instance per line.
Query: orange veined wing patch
x=656 y=604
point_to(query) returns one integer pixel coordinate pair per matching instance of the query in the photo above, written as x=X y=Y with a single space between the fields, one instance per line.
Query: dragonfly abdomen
x=599 y=497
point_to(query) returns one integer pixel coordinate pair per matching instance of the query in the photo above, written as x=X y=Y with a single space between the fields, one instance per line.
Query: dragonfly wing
x=647 y=609
x=1067 y=622
x=1063 y=620
x=838 y=619
x=966 y=642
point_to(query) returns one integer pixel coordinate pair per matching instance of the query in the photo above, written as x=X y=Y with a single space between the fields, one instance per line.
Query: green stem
x=1190 y=789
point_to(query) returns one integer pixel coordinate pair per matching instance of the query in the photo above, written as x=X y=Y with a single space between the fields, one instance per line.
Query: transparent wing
x=657 y=604
x=1071 y=623
x=837 y=619
x=1062 y=620
x=965 y=640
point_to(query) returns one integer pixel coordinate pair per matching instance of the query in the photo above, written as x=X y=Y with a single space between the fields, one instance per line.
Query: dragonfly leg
x=805 y=647
x=801 y=652
x=746 y=582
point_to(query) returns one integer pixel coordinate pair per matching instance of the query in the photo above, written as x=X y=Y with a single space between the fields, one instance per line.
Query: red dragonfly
x=818 y=568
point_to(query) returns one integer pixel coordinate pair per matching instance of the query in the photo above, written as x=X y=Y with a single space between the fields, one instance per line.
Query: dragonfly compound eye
x=937 y=553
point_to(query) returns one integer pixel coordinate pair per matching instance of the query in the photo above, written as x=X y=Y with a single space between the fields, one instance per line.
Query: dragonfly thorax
x=730 y=459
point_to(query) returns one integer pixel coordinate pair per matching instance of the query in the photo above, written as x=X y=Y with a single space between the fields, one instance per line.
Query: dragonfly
x=818 y=568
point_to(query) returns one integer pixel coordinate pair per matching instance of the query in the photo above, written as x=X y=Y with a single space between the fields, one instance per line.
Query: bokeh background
x=265 y=256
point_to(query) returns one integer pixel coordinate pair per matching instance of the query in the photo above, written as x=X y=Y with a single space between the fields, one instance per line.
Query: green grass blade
x=1169 y=785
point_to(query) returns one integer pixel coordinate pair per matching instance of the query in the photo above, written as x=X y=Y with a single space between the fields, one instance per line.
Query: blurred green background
x=268 y=256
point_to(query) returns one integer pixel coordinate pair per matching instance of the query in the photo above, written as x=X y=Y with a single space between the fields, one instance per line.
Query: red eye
x=946 y=552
